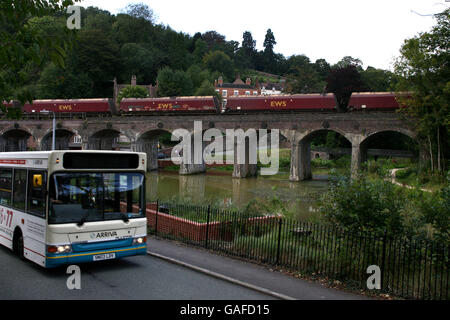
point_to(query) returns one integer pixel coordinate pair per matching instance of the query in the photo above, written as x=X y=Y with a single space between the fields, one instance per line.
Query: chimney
x=133 y=80
x=220 y=81
x=248 y=81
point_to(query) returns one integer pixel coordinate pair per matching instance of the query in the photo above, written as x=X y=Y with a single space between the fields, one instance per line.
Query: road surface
x=136 y=278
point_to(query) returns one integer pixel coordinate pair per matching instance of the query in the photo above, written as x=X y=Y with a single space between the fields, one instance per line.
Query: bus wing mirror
x=37 y=180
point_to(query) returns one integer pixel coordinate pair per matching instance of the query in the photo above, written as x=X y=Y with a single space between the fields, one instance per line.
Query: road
x=136 y=278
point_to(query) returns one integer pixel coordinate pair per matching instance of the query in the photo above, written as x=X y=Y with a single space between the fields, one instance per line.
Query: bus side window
x=5 y=187
x=37 y=182
x=20 y=188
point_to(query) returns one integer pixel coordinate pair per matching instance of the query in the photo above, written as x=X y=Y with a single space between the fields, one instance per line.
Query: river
x=221 y=190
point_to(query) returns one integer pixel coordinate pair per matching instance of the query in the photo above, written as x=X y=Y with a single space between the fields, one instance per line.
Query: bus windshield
x=85 y=197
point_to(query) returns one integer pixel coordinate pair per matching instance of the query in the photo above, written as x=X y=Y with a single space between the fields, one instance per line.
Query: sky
x=370 y=30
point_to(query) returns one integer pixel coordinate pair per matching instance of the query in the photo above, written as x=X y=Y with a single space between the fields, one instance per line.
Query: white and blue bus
x=69 y=207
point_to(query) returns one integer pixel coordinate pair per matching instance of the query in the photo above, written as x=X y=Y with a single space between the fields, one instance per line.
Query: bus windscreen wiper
x=124 y=217
x=83 y=219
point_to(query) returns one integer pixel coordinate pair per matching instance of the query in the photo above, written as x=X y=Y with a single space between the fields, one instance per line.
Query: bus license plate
x=105 y=256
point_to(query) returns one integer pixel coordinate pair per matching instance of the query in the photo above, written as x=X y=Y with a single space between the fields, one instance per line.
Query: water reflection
x=223 y=190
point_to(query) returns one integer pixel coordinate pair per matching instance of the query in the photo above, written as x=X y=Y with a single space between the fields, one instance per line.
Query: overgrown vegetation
x=378 y=206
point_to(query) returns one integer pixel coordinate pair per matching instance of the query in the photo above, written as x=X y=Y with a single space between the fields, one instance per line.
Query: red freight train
x=73 y=106
x=380 y=101
x=207 y=104
x=297 y=102
x=210 y=104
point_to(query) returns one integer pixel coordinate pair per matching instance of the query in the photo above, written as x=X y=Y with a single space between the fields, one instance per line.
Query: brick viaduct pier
x=99 y=133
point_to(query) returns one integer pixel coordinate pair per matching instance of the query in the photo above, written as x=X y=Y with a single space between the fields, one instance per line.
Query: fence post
x=383 y=259
x=207 y=226
x=280 y=221
x=156 y=217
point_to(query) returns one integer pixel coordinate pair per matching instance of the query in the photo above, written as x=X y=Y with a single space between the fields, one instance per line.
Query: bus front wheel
x=18 y=243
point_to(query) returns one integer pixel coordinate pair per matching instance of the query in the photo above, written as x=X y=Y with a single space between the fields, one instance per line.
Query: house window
x=255 y=93
x=247 y=93
x=224 y=93
x=236 y=92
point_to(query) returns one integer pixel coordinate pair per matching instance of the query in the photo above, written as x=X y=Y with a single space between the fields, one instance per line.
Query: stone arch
x=301 y=151
x=383 y=139
x=149 y=142
x=405 y=132
x=106 y=139
x=17 y=139
x=63 y=138
x=311 y=133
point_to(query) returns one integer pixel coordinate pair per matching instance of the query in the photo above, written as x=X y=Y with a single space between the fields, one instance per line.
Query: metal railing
x=410 y=268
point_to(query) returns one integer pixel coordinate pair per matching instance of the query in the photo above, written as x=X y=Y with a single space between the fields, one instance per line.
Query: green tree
x=423 y=70
x=141 y=11
x=201 y=48
x=132 y=92
x=350 y=61
x=269 y=41
x=248 y=44
x=63 y=83
x=21 y=45
x=136 y=60
x=376 y=80
x=322 y=67
x=94 y=18
x=219 y=61
x=245 y=56
x=214 y=40
x=207 y=89
x=173 y=83
x=98 y=57
x=129 y=29
x=269 y=57
x=199 y=75
x=303 y=78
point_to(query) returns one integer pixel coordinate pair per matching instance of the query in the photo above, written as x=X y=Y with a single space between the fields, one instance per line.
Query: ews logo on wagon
x=278 y=104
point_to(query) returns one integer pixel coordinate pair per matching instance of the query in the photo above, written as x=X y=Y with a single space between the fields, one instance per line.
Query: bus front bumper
x=55 y=260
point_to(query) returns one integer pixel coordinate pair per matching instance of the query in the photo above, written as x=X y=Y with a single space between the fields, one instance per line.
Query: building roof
x=270 y=86
x=235 y=86
x=238 y=81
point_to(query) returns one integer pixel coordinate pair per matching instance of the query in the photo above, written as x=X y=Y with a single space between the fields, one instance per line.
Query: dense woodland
x=128 y=43
x=41 y=58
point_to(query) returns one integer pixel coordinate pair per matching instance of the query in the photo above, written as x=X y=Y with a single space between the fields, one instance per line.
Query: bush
x=322 y=163
x=132 y=92
x=378 y=206
x=363 y=205
x=436 y=211
x=403 y=174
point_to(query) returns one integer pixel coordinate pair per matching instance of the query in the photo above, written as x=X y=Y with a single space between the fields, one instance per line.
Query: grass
x=422 y=179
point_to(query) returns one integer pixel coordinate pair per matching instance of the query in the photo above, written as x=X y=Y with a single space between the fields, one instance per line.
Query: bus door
x=35 y=221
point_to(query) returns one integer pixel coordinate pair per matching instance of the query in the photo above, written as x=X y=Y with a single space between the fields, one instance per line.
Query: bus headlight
x=139 y=240
x=59 y=249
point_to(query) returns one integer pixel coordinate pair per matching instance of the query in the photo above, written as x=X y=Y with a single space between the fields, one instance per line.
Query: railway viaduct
x=99 y=133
